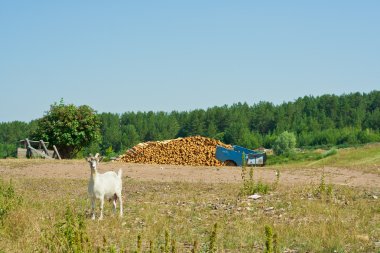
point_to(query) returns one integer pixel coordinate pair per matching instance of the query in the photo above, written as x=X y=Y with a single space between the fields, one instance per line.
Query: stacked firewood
x=195 y=150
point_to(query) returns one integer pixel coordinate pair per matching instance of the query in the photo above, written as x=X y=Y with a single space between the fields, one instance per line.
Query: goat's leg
x=101 y=208
x=114 y=203
x=93 y=208
x=120 y=204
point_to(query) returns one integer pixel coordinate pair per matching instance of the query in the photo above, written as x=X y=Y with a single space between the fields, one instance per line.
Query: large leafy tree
x=69 y=127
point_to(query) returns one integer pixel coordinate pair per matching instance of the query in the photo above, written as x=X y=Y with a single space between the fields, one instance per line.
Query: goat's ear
x=88 y=159
x=97 y=155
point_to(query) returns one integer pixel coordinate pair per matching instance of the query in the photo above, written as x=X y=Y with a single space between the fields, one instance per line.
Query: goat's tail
x=119 y=173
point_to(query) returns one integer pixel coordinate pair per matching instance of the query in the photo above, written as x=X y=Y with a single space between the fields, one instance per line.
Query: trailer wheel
x=229 y=163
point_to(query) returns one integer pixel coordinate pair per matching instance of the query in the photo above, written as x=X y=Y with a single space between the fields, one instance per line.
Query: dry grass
x=346 y=221
x=13 y=163
x=305 y=217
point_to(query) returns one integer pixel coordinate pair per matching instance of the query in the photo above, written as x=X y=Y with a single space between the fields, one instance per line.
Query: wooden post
x=44 y=147
x=56 y=152
x=28 y=147
x=40 y=153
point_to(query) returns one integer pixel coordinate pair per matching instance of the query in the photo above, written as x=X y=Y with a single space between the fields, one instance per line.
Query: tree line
x=327 y=120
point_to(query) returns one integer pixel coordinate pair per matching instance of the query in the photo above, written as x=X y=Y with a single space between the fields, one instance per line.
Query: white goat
x=107 y=185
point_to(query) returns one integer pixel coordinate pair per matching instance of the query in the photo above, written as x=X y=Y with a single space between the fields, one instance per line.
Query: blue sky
x=119 y=56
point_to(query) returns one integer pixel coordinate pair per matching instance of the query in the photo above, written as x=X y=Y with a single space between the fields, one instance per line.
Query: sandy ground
x=168 y=173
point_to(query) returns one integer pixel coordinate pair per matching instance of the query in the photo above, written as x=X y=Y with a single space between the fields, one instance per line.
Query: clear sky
x=119 y=56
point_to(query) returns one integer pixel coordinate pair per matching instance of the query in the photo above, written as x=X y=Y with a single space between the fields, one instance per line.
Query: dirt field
x=79 y=169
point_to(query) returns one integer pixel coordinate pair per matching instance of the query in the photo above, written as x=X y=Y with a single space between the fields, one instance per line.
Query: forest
x=320 y=121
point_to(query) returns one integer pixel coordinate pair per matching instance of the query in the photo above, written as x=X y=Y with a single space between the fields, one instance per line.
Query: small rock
x=269 y=209
x=254 y=196
x=377 y=244
x=374 y=196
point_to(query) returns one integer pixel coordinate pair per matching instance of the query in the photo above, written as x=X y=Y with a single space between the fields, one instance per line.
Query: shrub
x=285 y=143
x=68 y=127
x=328 y=153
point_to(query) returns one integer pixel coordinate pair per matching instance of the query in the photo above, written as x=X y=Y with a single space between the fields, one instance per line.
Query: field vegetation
x=52 y=215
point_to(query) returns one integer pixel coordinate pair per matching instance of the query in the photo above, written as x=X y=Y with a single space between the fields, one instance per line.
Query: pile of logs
x=195 y=150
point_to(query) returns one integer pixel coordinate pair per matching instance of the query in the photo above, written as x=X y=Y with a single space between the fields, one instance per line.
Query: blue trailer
x=234 y=156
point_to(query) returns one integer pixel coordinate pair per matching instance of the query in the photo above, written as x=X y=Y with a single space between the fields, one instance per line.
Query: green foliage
x=9 y=200
x=250 y=186
x=69 y=235
x=211 y=245
x=276 y=248
x=325 y=121
x=10 y=134
x=300 y=156
x=285 y=144
x=324 y=191
x=167 y=242
x=108 y=154
x=130 y=137
x=328 y=153
x=7 y=150
x=110 y=131
x=68 y=127
x=268 y=239
x=271 y=240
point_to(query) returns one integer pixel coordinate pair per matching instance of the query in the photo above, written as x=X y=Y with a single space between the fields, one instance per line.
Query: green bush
x=69 y=127
x=285 y=144
x=7 y=150
x=328 y=153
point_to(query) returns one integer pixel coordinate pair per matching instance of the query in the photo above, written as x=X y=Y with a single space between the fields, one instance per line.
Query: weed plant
x=250 y=186
x=9 y=200
x=324 y=191
x=271 y=240
x=68 y=235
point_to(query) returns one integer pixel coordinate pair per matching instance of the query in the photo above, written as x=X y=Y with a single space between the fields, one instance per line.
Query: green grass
x=188 y=212
x=366 y=157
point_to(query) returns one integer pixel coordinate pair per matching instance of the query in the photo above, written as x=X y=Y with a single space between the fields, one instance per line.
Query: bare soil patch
x=79 y=169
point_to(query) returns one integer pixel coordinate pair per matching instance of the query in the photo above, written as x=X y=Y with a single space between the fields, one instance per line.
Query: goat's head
x=94 y=160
